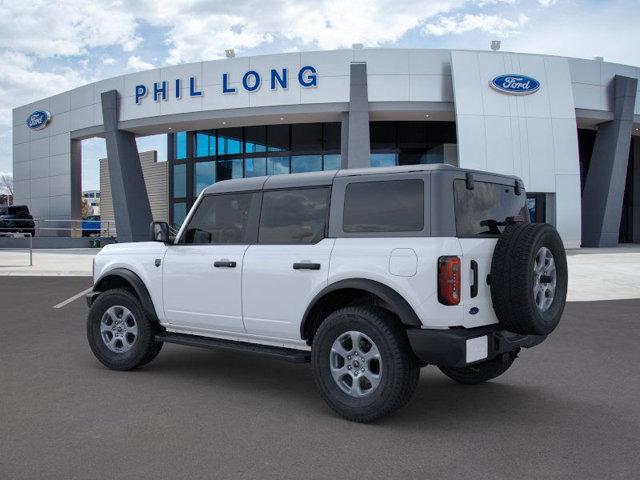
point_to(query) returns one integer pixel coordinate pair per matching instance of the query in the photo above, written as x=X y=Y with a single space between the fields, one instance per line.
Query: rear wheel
x=363 y=364
x=480 y=372
x=119 y=333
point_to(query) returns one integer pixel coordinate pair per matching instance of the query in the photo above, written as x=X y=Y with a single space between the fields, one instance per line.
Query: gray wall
x=156 y=180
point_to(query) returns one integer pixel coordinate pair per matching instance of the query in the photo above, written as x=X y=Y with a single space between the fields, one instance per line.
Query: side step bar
x=278 y=353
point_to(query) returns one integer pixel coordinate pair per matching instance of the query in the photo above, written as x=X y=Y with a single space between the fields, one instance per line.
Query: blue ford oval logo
x=474 y=310
x=38 y=119
x=515 y=84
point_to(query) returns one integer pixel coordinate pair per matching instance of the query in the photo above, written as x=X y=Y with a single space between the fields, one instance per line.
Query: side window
x=219 y=219
x=294 y=216
x=484 y=210
x=384 y=206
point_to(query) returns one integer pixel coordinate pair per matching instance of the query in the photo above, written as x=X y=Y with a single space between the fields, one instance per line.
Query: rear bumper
x=459 y=347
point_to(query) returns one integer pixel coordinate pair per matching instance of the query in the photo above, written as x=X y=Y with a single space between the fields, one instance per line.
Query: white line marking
x=75 y=297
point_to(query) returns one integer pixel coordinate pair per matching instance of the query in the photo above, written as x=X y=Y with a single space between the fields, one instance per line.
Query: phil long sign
x=515 y=84
x=250 y=81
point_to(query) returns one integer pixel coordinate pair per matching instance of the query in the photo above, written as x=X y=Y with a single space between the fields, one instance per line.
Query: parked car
x=91 y=226
x=368 y=274
x=17 y=219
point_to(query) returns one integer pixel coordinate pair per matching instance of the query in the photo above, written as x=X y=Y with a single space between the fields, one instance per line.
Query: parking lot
x=567 y=409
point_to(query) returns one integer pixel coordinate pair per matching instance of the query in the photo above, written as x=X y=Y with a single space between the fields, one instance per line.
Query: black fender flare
x=136 y=283
x=396 y=302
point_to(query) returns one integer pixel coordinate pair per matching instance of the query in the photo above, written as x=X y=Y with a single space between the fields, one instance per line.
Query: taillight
x=449 y=280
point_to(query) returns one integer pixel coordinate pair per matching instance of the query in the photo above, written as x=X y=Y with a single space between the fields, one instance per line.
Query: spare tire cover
x=529 y=278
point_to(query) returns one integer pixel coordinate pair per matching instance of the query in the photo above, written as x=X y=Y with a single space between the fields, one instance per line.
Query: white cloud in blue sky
x=50 y=47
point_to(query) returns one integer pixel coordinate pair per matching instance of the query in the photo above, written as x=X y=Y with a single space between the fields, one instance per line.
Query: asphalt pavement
x=569 y=408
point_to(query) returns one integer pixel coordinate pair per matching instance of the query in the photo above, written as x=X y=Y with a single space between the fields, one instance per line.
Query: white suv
x=368 y=274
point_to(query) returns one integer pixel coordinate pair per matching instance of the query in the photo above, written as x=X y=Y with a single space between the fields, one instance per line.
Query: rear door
x=481 y=216
x=290 y=262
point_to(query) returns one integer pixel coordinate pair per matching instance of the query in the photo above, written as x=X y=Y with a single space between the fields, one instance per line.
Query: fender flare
x=396 y=302
x=136 y=283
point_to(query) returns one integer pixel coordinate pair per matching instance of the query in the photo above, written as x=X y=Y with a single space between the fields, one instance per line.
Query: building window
x=255 y=167
x=229 y=141
x=332 y=162
x=205 y=144
x=180 y=146
x=306 y=163
x=277 y=165
x=180 y=180
x=383 y=159
x=179 y=214
x=204 y=174
x=255 y=139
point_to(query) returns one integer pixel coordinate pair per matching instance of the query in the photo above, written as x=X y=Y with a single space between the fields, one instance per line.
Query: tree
x=6 y=186
x=86 y=208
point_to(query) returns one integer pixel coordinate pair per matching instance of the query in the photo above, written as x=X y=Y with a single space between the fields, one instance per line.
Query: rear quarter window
x=484 y=210
x=384 y=206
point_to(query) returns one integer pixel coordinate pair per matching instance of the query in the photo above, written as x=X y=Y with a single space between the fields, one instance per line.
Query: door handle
x=306 y=266
x=474 y=287
x=224 y=263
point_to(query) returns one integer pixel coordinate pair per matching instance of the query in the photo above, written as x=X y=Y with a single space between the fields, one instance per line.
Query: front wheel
x=480 y=372
x=363 y=364
x=119 y=333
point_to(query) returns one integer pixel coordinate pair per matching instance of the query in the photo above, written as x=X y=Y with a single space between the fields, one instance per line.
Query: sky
x=48 y=47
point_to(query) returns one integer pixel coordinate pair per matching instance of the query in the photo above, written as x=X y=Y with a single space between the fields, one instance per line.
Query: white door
x=290 y=263
x=202 y=273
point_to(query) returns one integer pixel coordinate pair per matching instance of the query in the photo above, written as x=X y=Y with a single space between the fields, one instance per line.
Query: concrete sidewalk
x=594 y=274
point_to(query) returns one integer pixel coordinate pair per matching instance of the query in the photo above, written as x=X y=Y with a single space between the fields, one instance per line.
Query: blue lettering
x=256 y=81
x=178 y=91
x=311 y=79
x=275 y=77
x=141 y=91
x=225 y=84
x=157 y=90
x=192 y=88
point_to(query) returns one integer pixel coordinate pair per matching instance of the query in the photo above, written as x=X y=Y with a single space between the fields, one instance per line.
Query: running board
x=278 y=353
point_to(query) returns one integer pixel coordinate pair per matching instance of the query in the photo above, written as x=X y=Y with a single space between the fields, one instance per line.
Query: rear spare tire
x=529 y=278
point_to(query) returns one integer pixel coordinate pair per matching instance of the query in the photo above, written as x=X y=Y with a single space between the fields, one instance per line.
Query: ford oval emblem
x=38 y=119
x=474 y=310
x=515 y=84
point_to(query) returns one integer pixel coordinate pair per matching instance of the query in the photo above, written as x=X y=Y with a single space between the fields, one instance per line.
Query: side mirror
x=159 y=232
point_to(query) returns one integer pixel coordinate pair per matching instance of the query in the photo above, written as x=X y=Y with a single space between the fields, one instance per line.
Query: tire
x=396 y=369
x=127 y=350
x=529 y=279
x=480 y=372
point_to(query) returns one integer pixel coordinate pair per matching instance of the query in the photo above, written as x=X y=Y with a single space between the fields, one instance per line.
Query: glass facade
x=199 y=159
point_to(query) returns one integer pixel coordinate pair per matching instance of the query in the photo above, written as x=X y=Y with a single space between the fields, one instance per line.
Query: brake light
x=449 y=280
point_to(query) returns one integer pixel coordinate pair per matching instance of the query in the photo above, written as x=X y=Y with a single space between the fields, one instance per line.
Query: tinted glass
x=294 y=216
x=306 y=163
x=180 y=180
x=229 y=141
x=383 y=159
x=228 y=169
x=205 y=144
x=204 y=174
x=255 y=139
x=332 y=162
x=219 y=219
x=485 y=209
x=277 y=165
x=306 y=137
x=383 y=135
x=179 y=214
x=255 y=167
x=389 y=206
x=180 y=146
x=332 y=133
x=278 y=137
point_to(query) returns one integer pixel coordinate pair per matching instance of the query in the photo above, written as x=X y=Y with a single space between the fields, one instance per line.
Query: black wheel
x=120 y=334
x=363 y=364
x=480 y=372
x=529 y=278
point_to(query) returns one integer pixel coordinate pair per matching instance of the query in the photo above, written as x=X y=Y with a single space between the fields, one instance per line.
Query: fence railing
x=22 y=235
x=59 y=228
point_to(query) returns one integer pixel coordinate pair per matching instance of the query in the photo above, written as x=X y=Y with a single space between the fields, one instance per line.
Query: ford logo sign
x=515 y=84
x=38 y=119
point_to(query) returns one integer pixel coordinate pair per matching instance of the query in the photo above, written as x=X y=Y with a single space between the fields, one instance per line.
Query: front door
x=202 y=272
x=289 y=264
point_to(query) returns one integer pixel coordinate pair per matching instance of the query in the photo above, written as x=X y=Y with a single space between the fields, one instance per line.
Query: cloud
x=135 y=63
x=108 y=61
x=47 y=29
x=491 y=24
x=547 y=3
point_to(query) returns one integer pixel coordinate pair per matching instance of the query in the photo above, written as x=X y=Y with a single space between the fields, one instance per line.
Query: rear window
x=386 y=206
x=296 y=216
x=485 y=209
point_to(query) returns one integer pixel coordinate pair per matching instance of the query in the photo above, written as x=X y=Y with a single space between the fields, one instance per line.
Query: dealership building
x=568 y=127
